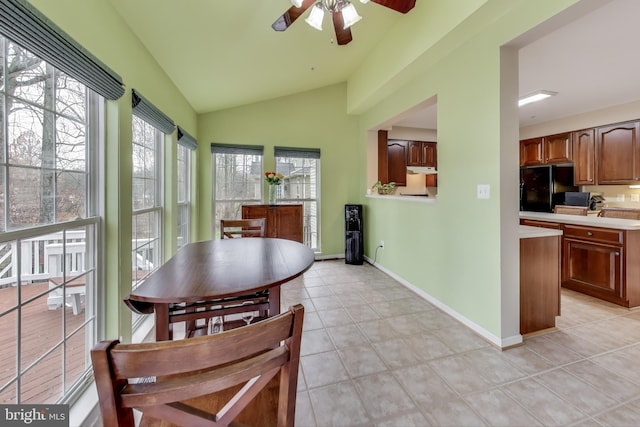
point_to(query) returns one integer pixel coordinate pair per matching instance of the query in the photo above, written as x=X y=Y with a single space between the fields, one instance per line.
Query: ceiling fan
x=343 y=13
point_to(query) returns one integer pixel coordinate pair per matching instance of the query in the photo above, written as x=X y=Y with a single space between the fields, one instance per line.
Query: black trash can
x=354 y=242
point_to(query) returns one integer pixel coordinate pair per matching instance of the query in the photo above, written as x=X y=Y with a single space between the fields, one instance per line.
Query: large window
x=184 y=194
x=301 y=170
x=237 y=174
x=49 y=236
x=147 y=200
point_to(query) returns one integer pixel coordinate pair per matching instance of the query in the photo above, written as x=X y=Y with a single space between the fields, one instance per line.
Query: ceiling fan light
x=349 y=15
x=298 y=3
x=316 y=16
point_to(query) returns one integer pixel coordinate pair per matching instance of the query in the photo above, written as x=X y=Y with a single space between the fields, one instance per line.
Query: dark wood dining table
x=216 y=269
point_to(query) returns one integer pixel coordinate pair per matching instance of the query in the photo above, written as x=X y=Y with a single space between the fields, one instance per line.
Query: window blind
x=150 y=114
x=252 y=150
x=186 y=140
x=301 y=153
x=25 y=25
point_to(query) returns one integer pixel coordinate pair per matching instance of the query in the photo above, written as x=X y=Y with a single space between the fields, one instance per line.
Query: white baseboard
x=502 y=343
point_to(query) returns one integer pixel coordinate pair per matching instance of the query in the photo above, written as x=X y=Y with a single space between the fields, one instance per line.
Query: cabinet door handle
x=589 y=233
x=616 y=253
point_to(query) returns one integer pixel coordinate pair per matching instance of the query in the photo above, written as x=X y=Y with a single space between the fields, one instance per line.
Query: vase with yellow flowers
x=273 y=179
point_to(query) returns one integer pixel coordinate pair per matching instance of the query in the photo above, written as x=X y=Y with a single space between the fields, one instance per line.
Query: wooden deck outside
x=41 y=330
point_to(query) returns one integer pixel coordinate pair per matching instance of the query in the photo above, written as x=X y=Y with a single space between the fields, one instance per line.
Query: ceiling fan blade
x=402 y=6
x=343 y=36
x=289 y=17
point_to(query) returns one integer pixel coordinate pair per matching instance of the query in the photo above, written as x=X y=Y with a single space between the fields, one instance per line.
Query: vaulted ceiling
x=224 y=53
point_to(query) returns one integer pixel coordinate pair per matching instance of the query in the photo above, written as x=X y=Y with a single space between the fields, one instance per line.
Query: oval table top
x=224 y=268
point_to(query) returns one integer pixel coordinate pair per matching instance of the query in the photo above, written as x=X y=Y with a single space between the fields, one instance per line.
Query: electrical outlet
x=620 y=198
x=635 y=197
x=484 y=191
x=381 y=244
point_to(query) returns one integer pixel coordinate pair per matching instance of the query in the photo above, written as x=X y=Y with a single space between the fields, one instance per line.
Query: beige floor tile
x=493 y=366
x=578 y=393
x=338 y=405
x=622 y=362
x=322 y=369
x=377 y=330
x=395 y=353
x=460 y=376
x=347 y=336
x=361 y=360
x=311 y=321
x=361 y=312
x=335 y=317
x=424 y=386
x=554 y=352
x=527 y=360
x=459 y=338
x=622 y=416
x=319 y=291
x=382 y=387
x=575 y=343
x=427 y=346
x=326 y=302
x=455 y=413
x=315 y=341
x=606 y=382
x=546 y=406
x=499 y=409
x=304 y=413
x=411 y=419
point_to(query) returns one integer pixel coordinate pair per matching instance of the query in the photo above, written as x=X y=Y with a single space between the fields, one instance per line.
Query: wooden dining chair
x=158 y=378
x=233 y=228
x=624 y=213
x=570 y=210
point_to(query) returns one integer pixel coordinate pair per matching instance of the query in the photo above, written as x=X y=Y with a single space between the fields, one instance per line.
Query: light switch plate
x=484 y=191
x=635 y=197
x=620 y=198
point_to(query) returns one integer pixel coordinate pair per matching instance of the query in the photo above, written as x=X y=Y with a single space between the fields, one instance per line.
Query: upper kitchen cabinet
x=618 y=153
x=584 y=157
x=546 y=150
x=422 y=153
x=557 y=148
x=392 y=159
x=531 y=152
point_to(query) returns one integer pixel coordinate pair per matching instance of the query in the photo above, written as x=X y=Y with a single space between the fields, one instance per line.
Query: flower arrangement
x=273 y=178
x=384 y=188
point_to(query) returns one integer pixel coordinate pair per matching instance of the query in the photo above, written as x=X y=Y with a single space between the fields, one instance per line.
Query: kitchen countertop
x=419 y=199
x=528 y=232
x=590 y=221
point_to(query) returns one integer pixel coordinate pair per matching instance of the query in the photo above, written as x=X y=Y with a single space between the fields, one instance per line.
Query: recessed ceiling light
x=536 y=96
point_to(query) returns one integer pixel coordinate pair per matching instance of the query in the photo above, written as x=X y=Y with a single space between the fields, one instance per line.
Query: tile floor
x=375 y=354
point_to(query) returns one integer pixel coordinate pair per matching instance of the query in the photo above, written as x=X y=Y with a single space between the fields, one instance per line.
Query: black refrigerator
x=543 y=187
x=354 y=242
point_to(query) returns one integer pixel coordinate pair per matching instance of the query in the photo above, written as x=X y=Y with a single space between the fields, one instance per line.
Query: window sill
x=412 y=199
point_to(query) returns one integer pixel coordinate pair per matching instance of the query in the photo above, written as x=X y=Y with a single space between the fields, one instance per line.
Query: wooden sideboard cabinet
x=283 y=221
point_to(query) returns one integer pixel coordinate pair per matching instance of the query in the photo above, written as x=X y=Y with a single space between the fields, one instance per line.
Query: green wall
x=315 y=119
x=453 y=249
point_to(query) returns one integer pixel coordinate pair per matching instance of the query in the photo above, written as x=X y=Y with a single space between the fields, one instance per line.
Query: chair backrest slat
x=203 y=366
x=623 y=213
x=232 y=228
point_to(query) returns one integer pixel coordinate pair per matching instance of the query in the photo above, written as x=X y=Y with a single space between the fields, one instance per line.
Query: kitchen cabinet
x=531 y=152
x=593 y=261
x=557 y=148
x=551 y=149
x=618 y=153
x=598 y=261
x=584 y=157
x=282 y=221
x=539 y=282
x=392 y=159
x=422 y=153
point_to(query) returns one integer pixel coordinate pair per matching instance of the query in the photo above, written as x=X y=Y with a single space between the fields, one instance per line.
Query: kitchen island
x=539 y=278
x=600 y=256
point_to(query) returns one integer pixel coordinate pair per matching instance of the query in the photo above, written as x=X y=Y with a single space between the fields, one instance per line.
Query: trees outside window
x=49 y=237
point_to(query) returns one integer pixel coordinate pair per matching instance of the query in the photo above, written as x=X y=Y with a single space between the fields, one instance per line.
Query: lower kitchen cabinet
x=539 y=283
x=600 y=262
x=282 y=221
